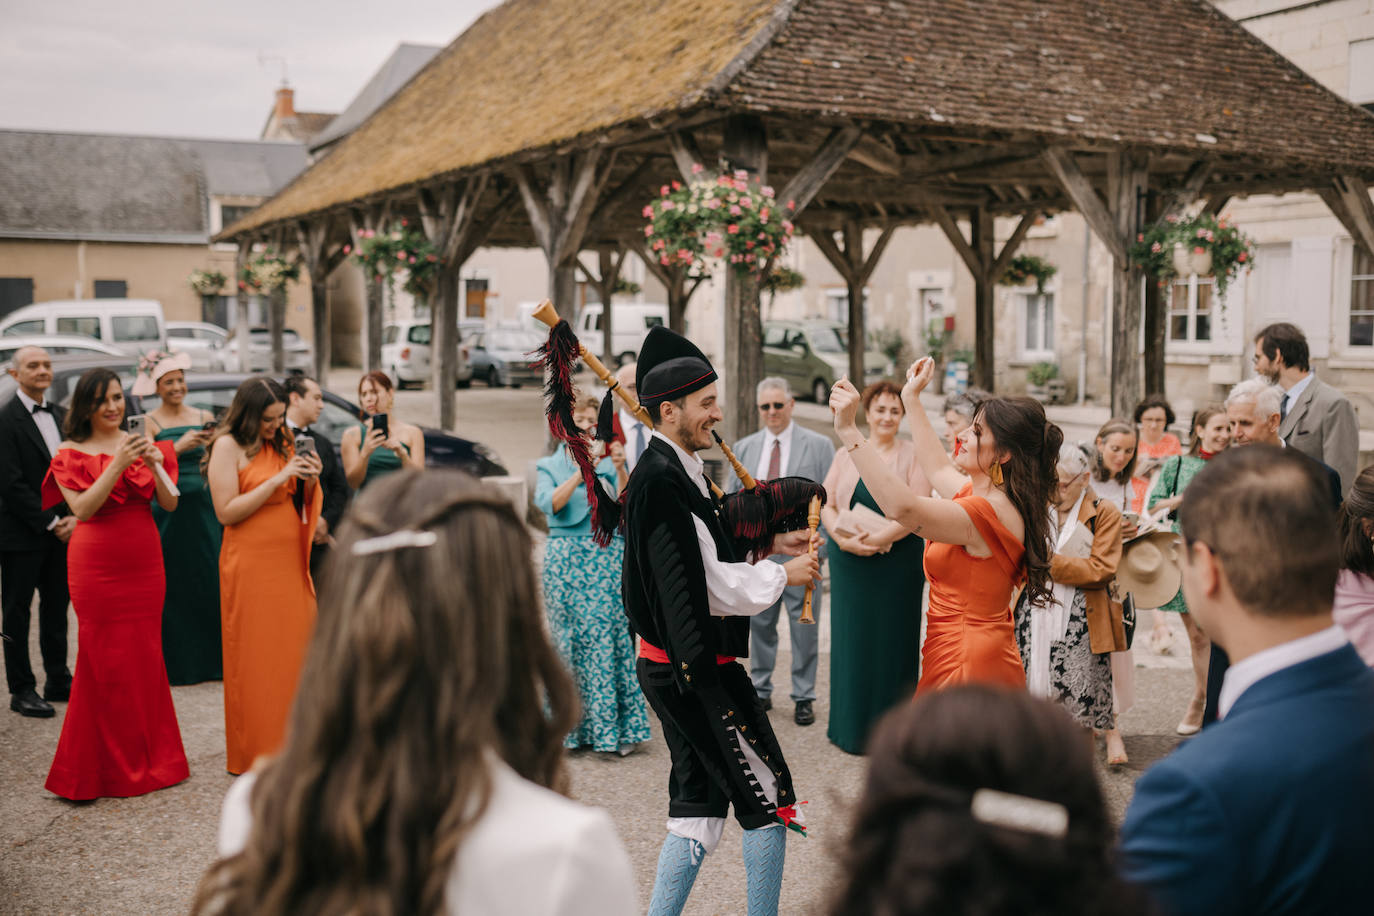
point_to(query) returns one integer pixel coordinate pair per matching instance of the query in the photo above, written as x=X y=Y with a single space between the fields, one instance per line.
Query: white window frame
x=1023 y=296
x=1344 y=281
x=835 y=295
x=1216 y=342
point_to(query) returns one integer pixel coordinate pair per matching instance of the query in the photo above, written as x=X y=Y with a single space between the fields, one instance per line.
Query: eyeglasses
x=776 y=405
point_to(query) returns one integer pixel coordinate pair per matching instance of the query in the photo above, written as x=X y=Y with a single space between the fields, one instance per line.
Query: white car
x=57 y=345
x=407 y=354
x=299 y=356
x=204 y=341
x=134 y=326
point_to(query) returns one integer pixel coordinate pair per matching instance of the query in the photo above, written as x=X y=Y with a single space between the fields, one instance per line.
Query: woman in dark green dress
x=876 y=581
x=190 y=534
x=368 y=452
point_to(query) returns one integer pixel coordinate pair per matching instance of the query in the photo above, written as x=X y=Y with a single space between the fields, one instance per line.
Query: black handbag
x=1128 y=618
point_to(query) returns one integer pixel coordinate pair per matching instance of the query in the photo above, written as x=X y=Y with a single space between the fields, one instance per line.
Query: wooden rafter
x=1086 y=199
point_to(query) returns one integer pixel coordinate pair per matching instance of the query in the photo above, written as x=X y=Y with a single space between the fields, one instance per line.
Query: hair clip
x=1017 y=812
x=396 y=540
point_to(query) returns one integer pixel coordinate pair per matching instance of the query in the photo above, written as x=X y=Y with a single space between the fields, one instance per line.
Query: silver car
x=299 y=355
x=204 y=341
x=57 y=345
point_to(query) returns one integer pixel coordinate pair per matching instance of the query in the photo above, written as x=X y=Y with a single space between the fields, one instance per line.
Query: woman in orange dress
x=266 y=498
x=989 y=533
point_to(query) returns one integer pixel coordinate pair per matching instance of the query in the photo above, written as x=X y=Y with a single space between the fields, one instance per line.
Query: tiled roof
x=1176 y=76
x=398 y=69
x=107 y=187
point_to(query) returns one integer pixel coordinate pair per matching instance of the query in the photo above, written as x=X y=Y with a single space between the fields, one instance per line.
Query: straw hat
x=153 y=366
x=1149 y=570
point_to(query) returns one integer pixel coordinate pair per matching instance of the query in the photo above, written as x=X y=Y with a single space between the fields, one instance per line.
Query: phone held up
x=138 y=425
x=381 y=423
x=304 y=444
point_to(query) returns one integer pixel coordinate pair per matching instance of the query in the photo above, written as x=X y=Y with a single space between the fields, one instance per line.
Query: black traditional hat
x=670 y=366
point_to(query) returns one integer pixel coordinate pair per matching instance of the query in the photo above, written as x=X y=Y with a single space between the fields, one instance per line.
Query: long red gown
x=120 y=736
x=969 y=633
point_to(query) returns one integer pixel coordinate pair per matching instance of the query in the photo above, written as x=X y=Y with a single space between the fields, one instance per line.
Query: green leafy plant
x=889 y=342
x=1232 y=251
x=625 y=287
x=1026 y=267
x=1042 y=373
x=782 y=279
x=401 y=247
x=727 y=218
x=962 y=355
x=268 y=273
x=207 y=282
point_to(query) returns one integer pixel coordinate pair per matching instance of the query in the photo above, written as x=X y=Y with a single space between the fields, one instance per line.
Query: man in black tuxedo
x=33 y=541
x=304 y=404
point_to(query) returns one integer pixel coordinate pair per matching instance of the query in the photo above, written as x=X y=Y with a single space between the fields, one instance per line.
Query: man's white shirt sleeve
x=737 y=589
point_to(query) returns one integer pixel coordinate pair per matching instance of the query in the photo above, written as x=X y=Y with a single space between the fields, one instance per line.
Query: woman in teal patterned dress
x=1211 y=434
x=582 y=599
x=368 y=453
x=190 y=534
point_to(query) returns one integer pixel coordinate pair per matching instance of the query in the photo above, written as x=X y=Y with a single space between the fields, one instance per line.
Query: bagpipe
x=753 y=515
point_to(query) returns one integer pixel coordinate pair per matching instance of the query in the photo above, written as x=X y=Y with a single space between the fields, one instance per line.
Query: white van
x=133 y=326
x=630 y=324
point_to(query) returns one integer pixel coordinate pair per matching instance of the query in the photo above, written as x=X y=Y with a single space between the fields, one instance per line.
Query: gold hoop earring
x=995 y=474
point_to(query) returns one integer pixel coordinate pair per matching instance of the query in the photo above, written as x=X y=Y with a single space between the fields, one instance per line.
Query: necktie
x=775 y=461
x=44 y=406
x=639 y=443
x=1283 y=409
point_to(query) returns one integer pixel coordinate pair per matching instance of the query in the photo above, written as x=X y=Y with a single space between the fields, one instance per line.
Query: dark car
x=215 y=391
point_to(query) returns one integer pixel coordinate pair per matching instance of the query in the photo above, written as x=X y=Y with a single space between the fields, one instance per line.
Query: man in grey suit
x=1316 y=419
x=784 y=449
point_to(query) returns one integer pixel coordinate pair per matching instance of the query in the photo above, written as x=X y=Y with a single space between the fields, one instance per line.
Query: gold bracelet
x=857 y=444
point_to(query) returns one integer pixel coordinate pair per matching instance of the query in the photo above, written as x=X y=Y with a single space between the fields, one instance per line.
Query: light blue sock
x=678 y=864
x=764 y=852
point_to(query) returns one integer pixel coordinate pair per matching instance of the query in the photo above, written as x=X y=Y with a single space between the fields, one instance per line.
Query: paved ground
x=145 y=855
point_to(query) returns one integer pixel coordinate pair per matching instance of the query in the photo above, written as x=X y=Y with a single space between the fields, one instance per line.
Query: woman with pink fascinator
x=190 y=534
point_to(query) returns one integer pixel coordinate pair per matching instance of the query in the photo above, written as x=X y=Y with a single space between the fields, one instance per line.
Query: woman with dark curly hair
x=981 y=800
x=988 y=534
x=423 y=771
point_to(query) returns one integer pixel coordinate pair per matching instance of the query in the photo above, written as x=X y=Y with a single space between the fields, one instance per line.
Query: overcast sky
x=189 y=68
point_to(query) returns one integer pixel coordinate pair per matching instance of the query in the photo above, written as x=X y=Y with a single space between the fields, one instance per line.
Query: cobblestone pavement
x=145 y=855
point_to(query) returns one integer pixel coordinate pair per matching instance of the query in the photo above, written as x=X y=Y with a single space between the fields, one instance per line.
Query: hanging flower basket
x=1026 y=267
x=207 y=282
x=401 y=247
x=726 y=218
x=1201 y=245
x=269 y=273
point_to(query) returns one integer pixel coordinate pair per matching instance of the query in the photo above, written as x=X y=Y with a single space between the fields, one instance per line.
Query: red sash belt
x=655 y=654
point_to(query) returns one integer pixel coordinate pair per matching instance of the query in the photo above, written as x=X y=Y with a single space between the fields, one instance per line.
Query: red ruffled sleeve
x=73 y=470
x=169 y=458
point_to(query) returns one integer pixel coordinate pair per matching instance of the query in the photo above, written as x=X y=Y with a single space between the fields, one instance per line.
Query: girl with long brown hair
x=266 y=497
x=989 y=533
x=423 y=765
x=381 y=443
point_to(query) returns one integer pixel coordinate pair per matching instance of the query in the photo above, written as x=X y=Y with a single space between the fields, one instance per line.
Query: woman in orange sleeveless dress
x=266 y=498
x=986 y=537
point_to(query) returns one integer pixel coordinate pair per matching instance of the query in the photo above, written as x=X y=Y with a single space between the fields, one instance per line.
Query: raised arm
x=930 y=453
x=934 y=519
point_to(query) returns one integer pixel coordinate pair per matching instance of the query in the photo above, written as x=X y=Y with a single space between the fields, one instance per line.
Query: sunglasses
x=776 y=405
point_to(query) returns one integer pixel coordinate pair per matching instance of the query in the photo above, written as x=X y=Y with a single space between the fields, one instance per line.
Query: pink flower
x=648 y=231
x=663 y=191
x=647 y=212
x=724 y=181
x=767 y=191
x=735 y=210
x=1155 y=248
x=749 y=244
x=1202 y=233
x=763 y=215
x=684 y=255
x=432 y=258
x=412 y=259
x=1241 y=257
x=400 y=255
x=663 y=259
x=791 y=205
x=741 y=174
x=762 y=237
x=677 y=186
x=668 y=205
x=749 y=259
x=404 y=223
x=697 y=168
x=1140 y=236
x=741 y=185
x=1199 y=250
x=747 y=203
x=712 y=204
x=348 y=249
x=733 y=229
x=787 y=226
x=659 y=245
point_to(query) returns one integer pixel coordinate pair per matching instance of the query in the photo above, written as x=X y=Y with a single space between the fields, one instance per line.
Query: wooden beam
x=1172 y=202
x=1018 y=235
x=614 y=200
x=1086 y=199
x=686 y=153
x=876 y=252
x=1357 y=211
x=877 y=156
x=806 y=183
x=536 y=207
x=1215 y=203
x=956 y=238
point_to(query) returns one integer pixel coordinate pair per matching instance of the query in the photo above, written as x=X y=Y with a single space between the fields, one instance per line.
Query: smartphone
x=209 y=425
x=138 y=425
x=1130 y=518
x=380 y=422
x=305 y=445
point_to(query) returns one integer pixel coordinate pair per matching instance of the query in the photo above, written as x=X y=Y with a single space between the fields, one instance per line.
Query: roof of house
x=110 y=187
x=308 y=124
x=1173 y=76
x=394 y=73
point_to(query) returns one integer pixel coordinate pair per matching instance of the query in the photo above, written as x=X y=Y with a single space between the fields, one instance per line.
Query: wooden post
x=674 y=280
x=312 y=237
x=374 y=219
x=1155 y=317
x=986 y=271
x=444 y=328
x=604 y=278
x=745 y=148
x=276 y=323
x=856 y=268
x=241 y=336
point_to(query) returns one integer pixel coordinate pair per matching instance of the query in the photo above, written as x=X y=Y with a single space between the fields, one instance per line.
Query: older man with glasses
x=784 y=449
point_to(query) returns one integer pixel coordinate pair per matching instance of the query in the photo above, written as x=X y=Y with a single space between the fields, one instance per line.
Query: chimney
x=286 y=104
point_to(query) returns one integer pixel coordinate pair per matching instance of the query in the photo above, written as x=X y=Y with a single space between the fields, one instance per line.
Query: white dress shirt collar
x=44 y=420
x=1296 y=391
x=694 y=466
x=1243 y=675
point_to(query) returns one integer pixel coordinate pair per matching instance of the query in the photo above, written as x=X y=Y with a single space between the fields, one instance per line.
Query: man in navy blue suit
x=1270 y=810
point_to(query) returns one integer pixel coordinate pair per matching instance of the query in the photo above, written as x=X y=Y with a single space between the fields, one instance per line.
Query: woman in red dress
x=987 y=536
x=120 y=736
